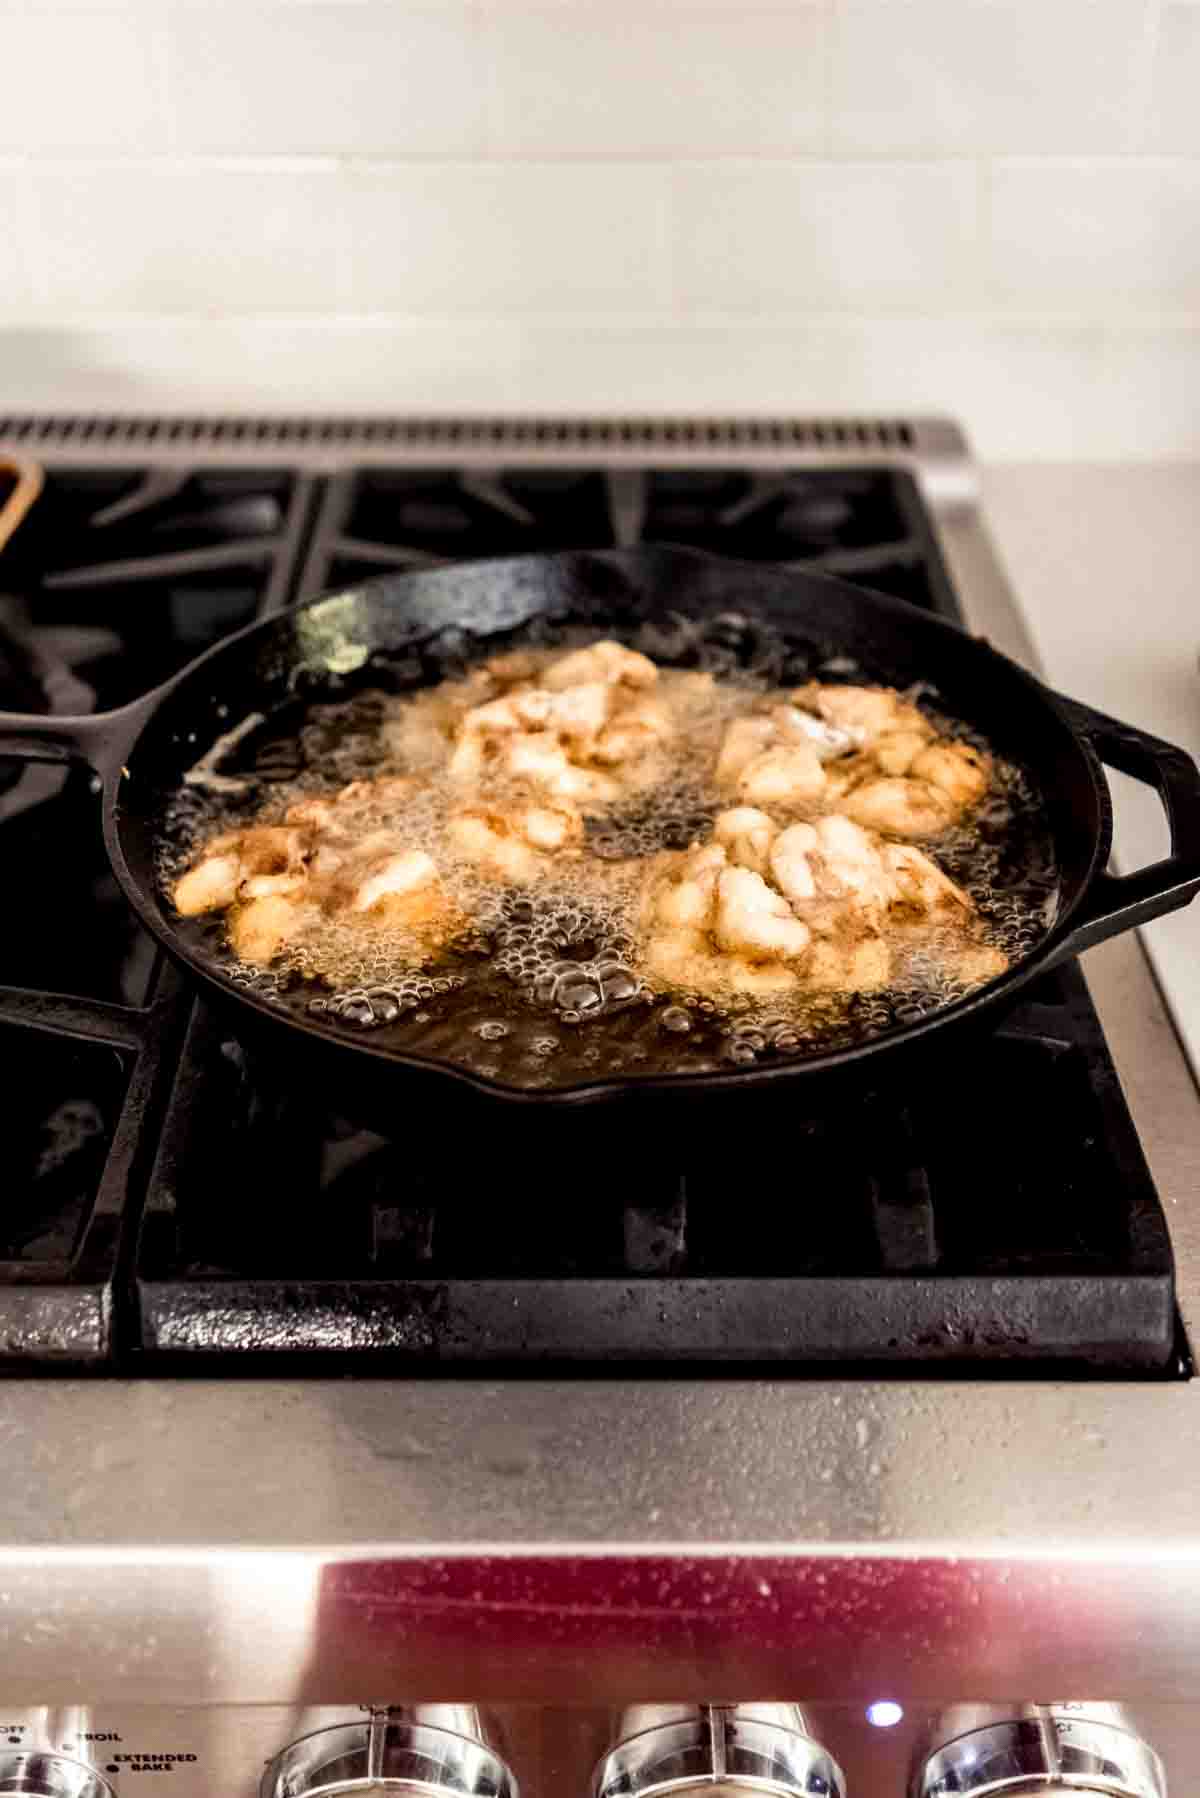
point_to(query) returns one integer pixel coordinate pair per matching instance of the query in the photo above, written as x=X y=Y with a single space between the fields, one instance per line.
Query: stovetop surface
x=168 y=1206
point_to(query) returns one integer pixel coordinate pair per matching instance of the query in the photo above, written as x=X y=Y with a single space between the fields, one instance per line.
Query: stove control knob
x=1044 y=1748
x=707 y=1748
x=38 y=1775
x=391 y=1752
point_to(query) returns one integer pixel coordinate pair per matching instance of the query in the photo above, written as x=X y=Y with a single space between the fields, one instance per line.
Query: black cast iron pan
x=432 y=619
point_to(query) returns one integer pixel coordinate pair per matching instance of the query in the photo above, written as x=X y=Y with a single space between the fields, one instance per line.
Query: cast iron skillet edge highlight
x=141 y=751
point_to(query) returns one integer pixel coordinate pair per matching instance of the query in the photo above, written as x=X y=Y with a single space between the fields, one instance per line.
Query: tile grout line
x=317 y=162
x=654 y=322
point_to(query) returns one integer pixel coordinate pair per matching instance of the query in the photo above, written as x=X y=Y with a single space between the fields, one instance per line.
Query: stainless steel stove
x=962 y=1467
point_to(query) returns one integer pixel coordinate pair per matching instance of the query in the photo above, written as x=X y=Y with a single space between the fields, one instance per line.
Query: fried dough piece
x=604 y=661
x=261 y=929
x=865 y=714
x=820 y=906
x=955 y=769
x=788 y=776
x=900 y=807
x=754 y=921
x=514 y=844
x=746 y=834
x=211 y=884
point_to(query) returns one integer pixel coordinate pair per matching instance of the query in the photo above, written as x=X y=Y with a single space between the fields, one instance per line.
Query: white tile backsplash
x=824 y=236
x=969 y=77
x=983 y=206
x=374 y=79
x=687 y=369
x=186 y=240
x=648 y=83
x=1095 y=237
x=1151 y=375
x=16 y=292
x=1173 y=120
x=535 y=238
x=261 y=365
x=82 y=81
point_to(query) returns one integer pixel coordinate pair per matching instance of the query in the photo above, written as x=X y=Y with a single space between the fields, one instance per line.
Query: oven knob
x=38 y=1775
x=1046 y=1748
x=430 y=1749
x=690 y=1748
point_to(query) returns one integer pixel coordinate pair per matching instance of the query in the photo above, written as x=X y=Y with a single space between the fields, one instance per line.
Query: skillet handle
x=1118 y=902
x=100 y=739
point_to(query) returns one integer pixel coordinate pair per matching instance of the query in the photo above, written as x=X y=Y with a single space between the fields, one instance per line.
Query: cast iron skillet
x=429 y=620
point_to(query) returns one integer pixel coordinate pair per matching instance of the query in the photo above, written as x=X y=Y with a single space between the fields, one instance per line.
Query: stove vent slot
x=95 y=435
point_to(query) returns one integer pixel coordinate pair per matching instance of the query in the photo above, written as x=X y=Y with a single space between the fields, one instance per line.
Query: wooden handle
x=28 y=486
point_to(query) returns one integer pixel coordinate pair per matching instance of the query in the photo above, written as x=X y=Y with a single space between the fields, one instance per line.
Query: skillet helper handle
x=1118 y=902
x=99 y=739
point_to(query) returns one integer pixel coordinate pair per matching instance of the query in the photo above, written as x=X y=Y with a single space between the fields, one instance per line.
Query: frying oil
x=543 y=987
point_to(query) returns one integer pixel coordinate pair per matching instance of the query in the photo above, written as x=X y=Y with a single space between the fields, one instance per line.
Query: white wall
x=990 y=207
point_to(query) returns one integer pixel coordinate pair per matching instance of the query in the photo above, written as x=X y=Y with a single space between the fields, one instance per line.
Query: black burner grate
x=166 y=1206
x=135 y=570
x=888 y=1233
x=866 y=525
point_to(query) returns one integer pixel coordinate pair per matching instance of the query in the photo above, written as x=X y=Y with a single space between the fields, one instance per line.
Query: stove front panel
x=242 y=1751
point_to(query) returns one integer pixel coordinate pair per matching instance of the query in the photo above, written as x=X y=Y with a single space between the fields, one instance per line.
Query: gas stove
x=174 y=1206
x=301 y=1444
